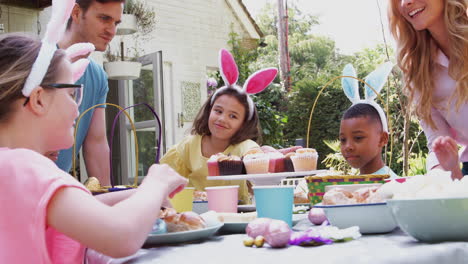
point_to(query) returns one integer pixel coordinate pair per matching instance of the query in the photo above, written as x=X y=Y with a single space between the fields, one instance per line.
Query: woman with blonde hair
x=432 y=41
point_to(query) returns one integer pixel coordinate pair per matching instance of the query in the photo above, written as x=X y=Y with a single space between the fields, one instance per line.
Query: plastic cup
x=183 y=200
x=222 y=199
x=275 y=201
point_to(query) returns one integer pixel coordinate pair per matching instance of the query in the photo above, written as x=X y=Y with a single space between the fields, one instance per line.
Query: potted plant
x=119 y=67
x=139 y=19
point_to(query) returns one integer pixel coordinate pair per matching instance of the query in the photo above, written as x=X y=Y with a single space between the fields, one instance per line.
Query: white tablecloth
x=395 y=247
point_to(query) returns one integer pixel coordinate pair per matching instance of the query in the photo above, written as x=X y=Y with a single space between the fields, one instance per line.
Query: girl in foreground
x=45 y=210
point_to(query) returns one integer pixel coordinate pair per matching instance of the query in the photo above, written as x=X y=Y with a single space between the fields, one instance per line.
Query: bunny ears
x=375 y=79
x=61 y=10
x=256 y=82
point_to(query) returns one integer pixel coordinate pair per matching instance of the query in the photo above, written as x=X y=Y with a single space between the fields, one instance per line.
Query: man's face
x=98 y=24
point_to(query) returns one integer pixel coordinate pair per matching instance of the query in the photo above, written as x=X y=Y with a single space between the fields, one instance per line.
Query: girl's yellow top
x=187 y=159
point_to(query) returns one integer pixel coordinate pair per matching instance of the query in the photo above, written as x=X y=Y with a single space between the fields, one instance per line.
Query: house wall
x=190 y=34
x=16 y=19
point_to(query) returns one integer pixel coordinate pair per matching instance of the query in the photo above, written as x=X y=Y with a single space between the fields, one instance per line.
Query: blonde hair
x=17 y=55
x=416 y=50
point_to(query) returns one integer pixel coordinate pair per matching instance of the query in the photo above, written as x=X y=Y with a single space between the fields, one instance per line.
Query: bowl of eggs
x=436 y=198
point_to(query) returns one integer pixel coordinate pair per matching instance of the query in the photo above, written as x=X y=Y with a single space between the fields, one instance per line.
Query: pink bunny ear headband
x=256 y=82
x=61 y=10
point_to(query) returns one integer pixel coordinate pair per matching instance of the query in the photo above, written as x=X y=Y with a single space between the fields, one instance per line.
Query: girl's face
x=63 y=111
x=226 y=117
x=423 y=14
x=361 y=143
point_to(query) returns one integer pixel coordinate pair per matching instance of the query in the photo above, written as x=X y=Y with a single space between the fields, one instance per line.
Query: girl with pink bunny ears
x=45 y=210
x=227 y=123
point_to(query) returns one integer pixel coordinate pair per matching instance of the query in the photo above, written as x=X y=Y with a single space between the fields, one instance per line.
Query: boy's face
x=361 y=143
x=98 y=24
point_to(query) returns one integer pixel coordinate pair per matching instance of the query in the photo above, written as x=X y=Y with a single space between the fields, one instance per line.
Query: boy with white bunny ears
x=227 y=123
x=364 y=129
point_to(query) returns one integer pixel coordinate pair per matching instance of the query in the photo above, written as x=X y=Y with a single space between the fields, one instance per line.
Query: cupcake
x=254 y=151
x=212 y=164
x=256 y=163
x=305 y=159
x=229 y=165
x=288 y=165
x=276 y=162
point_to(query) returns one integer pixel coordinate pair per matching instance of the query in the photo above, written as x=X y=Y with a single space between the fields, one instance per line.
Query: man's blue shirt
x=95 y=92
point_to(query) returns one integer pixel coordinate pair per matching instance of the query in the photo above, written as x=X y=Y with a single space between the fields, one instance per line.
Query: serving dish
x=371 y=218
x=432 y=220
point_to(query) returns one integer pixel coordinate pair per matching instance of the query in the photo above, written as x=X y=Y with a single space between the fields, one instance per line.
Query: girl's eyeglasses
x=77 y=90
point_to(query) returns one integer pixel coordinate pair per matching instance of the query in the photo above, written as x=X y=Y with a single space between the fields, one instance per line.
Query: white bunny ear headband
x=256 y=82
x=61 y=10
x=375 y=79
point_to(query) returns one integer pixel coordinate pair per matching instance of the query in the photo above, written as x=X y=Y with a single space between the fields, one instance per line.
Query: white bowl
x=370 y=218
x=351 y=187
x=432 y=220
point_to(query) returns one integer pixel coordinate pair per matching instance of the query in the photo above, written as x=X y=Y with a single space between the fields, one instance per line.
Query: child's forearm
x=113 y=198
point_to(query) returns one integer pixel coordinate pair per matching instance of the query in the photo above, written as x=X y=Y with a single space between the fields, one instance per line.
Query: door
x=147 y=89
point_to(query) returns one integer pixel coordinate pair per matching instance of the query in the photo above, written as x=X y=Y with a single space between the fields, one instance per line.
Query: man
x=92 y=21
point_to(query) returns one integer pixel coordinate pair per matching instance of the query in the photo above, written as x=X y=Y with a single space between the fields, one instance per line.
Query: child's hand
x=53 y=155
x=164 y=175
x=446 y=150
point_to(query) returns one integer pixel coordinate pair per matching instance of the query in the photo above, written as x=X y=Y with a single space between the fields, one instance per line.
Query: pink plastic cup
x=222 y=199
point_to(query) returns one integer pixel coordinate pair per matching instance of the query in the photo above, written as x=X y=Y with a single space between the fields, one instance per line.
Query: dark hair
x=250 y=129
x=362 y=110
x=17 y=55
x=84 y=5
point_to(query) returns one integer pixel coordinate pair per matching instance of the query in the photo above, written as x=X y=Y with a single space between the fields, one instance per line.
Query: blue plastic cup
x=274 y=201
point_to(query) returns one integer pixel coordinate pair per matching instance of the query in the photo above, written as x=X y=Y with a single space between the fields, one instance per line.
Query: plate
x=234 y=228
x=239 y=228
x=185 y=236
x=266 y=178
x=298 y=217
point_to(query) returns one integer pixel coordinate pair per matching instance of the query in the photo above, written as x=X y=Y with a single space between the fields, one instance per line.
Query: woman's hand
x=446 y=150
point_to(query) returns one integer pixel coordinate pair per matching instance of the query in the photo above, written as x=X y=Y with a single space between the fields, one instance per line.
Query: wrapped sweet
x=277 y=233
x=257 y=227
x=317 y=216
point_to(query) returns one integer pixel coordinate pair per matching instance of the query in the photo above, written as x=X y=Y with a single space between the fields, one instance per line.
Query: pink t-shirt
x=28 y=182
x=448 y=120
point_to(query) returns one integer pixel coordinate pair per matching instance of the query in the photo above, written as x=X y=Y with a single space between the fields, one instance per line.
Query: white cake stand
x=266 y=178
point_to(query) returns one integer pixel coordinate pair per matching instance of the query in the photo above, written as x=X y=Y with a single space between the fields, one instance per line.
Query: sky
x=353 y=24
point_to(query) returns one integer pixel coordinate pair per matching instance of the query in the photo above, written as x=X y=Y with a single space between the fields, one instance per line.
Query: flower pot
x=128 y=25
x=123 y=70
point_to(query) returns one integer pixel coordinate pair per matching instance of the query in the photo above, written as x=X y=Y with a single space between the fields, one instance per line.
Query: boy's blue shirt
x=386 y=170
